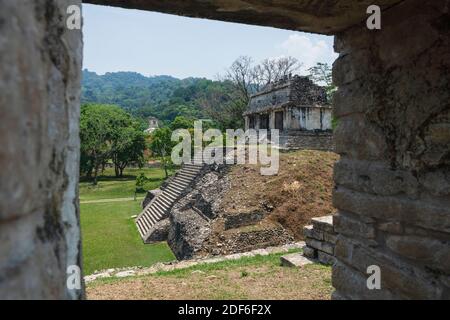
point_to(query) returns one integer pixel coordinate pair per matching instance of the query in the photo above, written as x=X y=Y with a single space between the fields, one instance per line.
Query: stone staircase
x=159 y=208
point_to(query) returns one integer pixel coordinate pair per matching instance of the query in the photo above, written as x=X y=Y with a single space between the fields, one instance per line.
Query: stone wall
x=320 y=239
x=40 y=63
x=393 y=180
x=299 y=140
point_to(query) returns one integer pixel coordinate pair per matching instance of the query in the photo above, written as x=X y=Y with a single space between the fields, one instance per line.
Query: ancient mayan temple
x=298 y=108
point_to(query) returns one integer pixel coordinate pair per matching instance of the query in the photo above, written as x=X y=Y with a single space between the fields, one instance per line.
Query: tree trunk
x=94 y=182
x=117 y=171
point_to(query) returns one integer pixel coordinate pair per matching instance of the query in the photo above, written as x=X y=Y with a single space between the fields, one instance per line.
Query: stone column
x=246 y=122
x=271 y=120
x=40 y=67
x=393 y=180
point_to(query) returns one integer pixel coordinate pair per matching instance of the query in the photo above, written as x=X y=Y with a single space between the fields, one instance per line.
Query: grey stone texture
x=393 y=135
x=40 y=63
x=200 y=226
x=294 y=260
x=325 y=16
x=320 y=238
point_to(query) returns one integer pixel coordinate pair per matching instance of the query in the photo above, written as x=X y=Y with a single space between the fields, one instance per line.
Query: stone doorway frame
x=391 y=187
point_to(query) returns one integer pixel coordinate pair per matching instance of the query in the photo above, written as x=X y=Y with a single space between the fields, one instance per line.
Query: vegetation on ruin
x=301 y=189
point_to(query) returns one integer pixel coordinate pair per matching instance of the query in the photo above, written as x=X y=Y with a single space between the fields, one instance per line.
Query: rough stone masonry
x=320 y=239
x=392 y=183
x=40 y=63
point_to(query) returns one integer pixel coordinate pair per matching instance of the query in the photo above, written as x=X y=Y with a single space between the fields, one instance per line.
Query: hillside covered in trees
x=164 y=97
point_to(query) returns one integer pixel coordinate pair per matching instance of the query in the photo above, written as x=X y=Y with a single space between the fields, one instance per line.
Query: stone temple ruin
x=392 y=182
x=188 y=213
x=298 y=108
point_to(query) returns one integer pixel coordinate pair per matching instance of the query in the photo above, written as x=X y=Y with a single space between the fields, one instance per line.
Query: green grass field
x=110 y=187
x=110 y=238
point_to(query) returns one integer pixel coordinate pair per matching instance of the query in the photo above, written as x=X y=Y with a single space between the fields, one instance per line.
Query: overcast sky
x=159 y=44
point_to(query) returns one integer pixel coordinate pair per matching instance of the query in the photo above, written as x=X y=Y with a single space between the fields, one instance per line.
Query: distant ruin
x=152 y=125
x=298 y=108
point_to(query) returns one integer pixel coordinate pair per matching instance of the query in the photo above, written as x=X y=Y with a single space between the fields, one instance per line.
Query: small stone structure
x=152 y=125
x=200 y=226
x=320 y=240
x=298 y=109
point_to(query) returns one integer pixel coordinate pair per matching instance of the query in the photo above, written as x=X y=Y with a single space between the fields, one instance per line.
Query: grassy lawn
x=259 y=277
x=110 y=238
x=110 y=187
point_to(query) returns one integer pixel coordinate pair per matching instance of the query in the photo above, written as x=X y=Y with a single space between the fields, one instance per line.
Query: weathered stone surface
x=309 y=252
x=159 y=232
x=403 y=279
x=311 y=232
x=324 y=17
x=40 y=64
x=294 y=260
x=325 y=258
x=323 y=223
x=426 y=213
x=242 y=219
x=433 y=253
x=320 y=245
x=330 y=237
x=375 y=177
x=352 y=284
x=187 y=233
x=346 y=225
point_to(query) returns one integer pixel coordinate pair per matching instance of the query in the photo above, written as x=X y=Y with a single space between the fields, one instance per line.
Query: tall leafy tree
x=321 y=74
x=161 y=145
x=108 y=133
x=128 y=147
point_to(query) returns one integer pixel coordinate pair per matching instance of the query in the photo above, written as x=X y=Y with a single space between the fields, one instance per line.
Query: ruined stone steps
x=159 y=208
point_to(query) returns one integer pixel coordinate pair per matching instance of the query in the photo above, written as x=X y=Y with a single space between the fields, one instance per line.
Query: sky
x=152 y=43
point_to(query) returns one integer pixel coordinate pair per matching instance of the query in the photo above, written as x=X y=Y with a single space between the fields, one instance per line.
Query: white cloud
x=307 y=50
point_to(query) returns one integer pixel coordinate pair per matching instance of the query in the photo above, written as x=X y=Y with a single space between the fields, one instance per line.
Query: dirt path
x=258 y=282
x=110 y=200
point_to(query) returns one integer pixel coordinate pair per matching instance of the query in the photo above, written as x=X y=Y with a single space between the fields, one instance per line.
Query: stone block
x=324 y=223
x=433 y=253
x=346 y=225
x=427 y=214
x=330 y=237
x=405 y=279
x=392 y=227
x=320 y=245
x=353 y=284
x=375 y=177
x=309 y=252
x=294 y=260
x=311 y=232
x=325 y=258
x=357 y=138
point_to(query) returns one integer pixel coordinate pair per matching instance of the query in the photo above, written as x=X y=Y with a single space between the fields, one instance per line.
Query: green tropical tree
x=161 y=145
